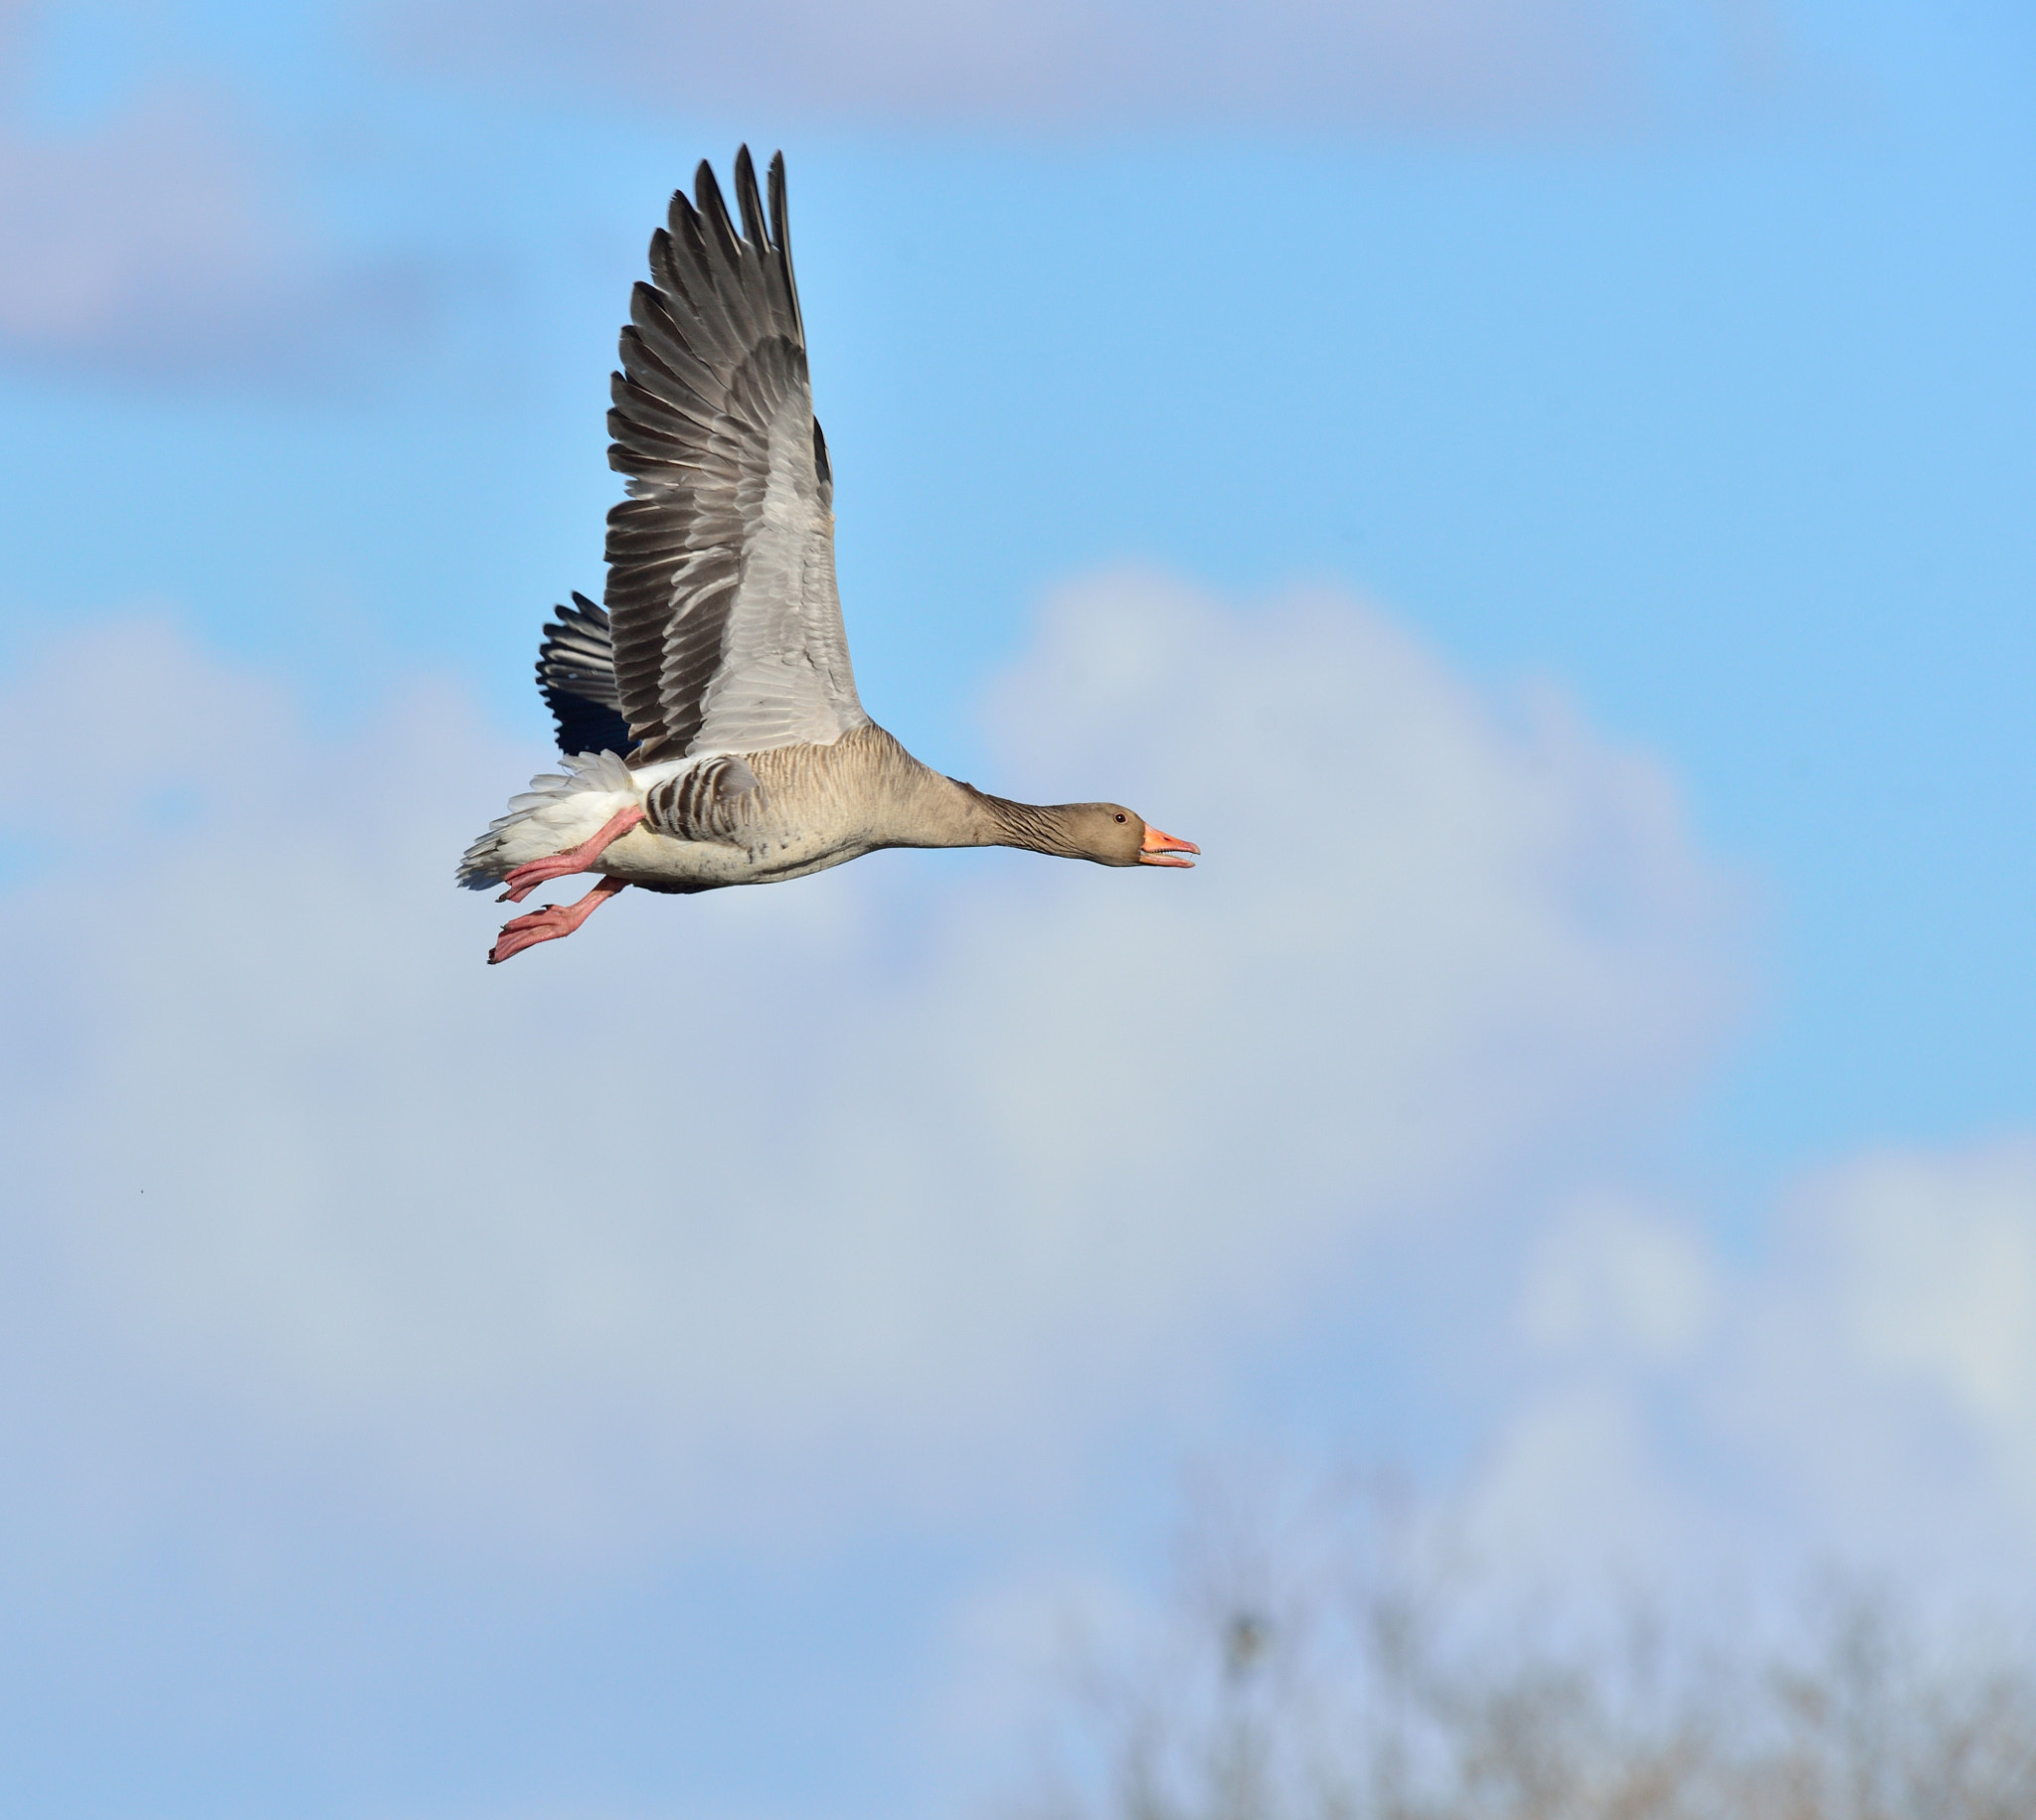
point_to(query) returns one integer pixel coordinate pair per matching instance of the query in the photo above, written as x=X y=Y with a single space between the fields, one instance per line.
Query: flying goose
x=708 y=716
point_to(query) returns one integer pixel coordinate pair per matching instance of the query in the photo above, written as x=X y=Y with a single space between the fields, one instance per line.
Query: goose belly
x=645 y=857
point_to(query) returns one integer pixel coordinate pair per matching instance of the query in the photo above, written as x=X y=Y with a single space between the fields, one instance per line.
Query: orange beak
x=1159 y=849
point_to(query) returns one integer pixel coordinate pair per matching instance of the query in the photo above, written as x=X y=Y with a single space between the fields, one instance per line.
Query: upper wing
x=721 y=564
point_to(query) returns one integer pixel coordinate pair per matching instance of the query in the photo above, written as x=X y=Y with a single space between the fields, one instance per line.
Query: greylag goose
x=707 y=716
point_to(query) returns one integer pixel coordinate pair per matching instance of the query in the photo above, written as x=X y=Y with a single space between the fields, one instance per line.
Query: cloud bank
x=875 y=1195
x=1863 y=1392
x=906 y=1182
x=914 y=1179
x=889 y=1201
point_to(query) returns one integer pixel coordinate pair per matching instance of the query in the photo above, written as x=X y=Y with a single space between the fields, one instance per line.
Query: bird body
x=807 y=807
x=708 y=715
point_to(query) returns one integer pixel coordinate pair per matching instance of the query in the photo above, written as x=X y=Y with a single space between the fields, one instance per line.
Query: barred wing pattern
x=721 y=587
x=576 y=674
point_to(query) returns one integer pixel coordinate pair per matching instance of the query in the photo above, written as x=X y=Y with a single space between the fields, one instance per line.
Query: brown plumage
x=709 y=716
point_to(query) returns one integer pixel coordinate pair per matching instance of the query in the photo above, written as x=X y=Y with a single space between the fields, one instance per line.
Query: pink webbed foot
x=526 y=878
x=551 y=923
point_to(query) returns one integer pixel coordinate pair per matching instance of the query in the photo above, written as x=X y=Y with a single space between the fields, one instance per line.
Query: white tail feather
x=559 y=811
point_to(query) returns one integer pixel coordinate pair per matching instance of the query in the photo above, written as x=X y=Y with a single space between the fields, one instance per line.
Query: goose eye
x=1120 y=818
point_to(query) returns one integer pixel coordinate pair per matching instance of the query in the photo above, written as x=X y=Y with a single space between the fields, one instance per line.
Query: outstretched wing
x=575 y=673
x=728 y=632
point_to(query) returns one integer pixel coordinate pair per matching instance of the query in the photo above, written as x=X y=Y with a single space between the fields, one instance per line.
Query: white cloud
x=1483 y=64
x=1614 y=1276
x=1864 y=1389
x=879 y=1188
x=1574 y=1485
x=1935 y=1276
x=1887 y=1356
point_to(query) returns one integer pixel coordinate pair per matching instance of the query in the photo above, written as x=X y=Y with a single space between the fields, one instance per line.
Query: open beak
x=1162 y=848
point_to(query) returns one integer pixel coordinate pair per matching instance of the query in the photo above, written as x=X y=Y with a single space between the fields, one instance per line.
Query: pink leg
x=551 y=923
x=529 y=875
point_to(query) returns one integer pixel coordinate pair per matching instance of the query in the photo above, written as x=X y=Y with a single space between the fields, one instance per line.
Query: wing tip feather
x=716 y=300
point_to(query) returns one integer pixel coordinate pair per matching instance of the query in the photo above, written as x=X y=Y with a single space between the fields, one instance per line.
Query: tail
x=557 y=812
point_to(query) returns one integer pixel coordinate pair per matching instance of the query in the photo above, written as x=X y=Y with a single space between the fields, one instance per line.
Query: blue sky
x=1569 y=512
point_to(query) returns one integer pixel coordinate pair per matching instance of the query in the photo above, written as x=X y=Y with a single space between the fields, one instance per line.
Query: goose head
x=1113 y=835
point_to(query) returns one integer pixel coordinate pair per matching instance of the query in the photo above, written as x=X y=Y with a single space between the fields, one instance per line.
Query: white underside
x=559 y=811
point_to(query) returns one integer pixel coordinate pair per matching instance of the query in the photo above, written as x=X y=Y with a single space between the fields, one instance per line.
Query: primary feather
x=576 y=674
x=728 y=633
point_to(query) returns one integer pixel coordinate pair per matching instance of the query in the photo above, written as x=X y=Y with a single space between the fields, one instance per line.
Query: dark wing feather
x=728 y=633
x=576 y=671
